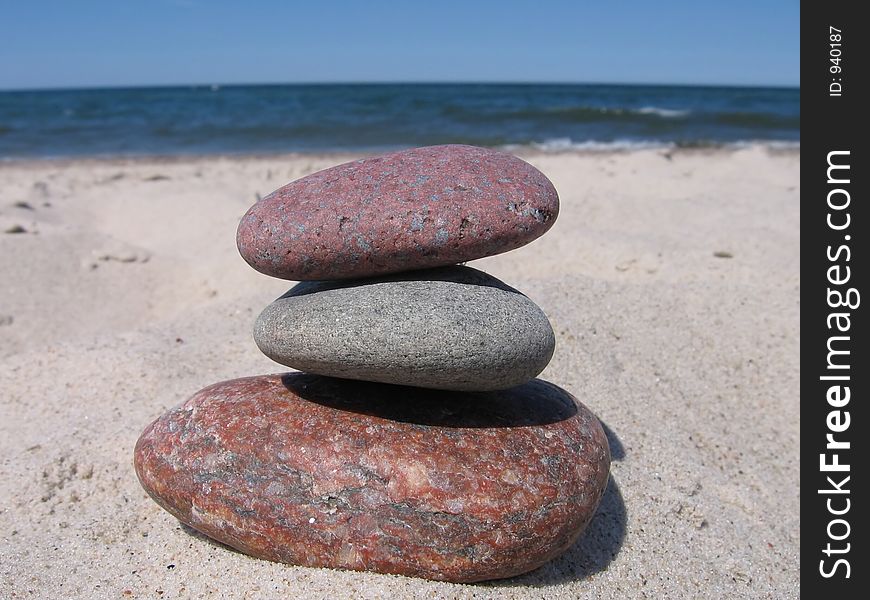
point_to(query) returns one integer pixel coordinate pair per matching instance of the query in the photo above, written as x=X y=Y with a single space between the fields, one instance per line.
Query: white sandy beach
x=672 y=283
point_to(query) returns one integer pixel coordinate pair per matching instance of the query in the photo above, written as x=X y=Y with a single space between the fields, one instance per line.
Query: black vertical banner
x=835 y=372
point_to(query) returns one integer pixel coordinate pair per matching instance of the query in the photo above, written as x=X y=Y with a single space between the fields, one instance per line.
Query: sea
x=266 y=119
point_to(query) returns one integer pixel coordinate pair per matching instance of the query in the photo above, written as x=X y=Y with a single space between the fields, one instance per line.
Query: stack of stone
x=415 y=440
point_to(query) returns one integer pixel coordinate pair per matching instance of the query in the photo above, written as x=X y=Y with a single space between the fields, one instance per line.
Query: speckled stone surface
x=453 y=328
x=324 y=472
x=414 y=209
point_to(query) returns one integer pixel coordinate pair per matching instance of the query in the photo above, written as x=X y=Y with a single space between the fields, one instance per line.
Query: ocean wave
x=568 y=145
x=667 y=113
x=564 y=114
x=773 y=144
x=595 y=113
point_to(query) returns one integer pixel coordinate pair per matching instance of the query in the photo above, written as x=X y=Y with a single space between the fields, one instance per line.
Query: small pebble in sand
x=723 y=254
x=15 y=229
x=24 y=205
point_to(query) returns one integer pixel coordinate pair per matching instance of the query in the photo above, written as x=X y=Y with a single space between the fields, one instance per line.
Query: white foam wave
x=668 y=113
x=564 y=144
x=774 y=144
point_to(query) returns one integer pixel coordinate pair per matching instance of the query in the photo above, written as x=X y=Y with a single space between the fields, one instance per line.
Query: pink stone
x=419 y=208
x=326 y=472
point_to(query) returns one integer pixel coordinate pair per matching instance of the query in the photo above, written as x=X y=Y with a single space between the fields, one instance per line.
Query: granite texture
x=414 y=209
x=323 y=472
x=453 y=328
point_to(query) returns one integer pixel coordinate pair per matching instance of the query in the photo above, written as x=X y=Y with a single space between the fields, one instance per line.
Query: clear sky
x=75 y=43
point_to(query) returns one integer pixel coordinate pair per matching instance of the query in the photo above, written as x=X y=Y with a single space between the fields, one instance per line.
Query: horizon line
x=397 y=83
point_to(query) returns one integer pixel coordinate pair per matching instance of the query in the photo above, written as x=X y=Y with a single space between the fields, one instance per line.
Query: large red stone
x=326 y=472
x=414 y=209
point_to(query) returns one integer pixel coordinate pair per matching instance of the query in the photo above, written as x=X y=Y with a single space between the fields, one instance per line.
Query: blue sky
x=156 y=42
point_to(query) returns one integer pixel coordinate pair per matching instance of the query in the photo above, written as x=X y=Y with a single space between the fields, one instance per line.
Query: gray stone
x=453 y=328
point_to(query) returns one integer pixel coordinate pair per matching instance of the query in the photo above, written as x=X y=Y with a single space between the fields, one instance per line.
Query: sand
x=672 y=283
